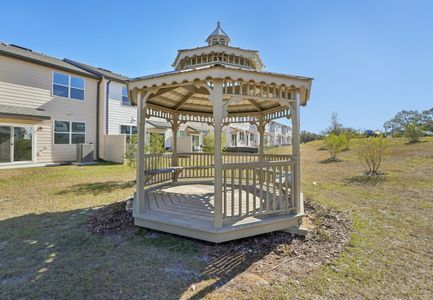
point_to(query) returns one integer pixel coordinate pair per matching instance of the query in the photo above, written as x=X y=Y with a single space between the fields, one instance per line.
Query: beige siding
x=119 y=114
x=29 y=85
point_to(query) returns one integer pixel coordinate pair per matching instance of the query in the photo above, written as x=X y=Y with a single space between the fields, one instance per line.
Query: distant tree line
x=410 y=119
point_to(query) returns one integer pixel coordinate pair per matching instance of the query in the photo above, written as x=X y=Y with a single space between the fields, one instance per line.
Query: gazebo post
x=296 y=152
x=261 y=130
x=216 y=97
x=140 y=204
x=174 y=128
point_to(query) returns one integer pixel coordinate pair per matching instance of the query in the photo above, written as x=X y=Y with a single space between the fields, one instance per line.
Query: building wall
x=119 y=114
x=29 y=85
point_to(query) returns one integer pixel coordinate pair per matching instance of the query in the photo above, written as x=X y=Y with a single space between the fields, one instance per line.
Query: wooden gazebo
x=218 y=196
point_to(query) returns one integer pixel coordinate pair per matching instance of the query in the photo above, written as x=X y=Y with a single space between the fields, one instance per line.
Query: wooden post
x=140 y=204
x=261 y=130
x=296 y=150
x=216 y=97
x=175 y=128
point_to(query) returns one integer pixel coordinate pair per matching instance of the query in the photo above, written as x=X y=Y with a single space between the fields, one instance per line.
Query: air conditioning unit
x=84 y=153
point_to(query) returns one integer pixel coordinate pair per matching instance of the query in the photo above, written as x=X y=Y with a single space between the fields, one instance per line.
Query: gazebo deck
x=187 y=208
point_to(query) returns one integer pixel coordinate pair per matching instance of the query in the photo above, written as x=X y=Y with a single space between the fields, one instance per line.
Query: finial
x=218 y=24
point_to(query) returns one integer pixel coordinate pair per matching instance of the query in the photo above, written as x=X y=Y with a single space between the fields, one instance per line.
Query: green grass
x=47 y=252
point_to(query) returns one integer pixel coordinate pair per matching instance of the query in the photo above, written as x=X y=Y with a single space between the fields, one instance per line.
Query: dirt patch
x=267 y=258
x=278 y=256
x=112 y=220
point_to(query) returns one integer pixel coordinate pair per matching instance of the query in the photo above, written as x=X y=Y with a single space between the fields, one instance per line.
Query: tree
x=427 y=119
x=307 y=136
x=335 y=127
x=397 y=125
x=154 y=145
x=209 y=142
x=413 y=133
x=336 y=144
x=371 y=151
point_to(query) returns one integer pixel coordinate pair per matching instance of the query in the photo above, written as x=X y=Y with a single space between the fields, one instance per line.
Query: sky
x=369 y=59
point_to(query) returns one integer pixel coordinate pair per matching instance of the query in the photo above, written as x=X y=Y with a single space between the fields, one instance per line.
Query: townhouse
x=48 y=106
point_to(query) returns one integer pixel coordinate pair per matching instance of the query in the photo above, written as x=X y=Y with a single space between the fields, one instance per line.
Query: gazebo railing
x=258 y=188
x=200 y=164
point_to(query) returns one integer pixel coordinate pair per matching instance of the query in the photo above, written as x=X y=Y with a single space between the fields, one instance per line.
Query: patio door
x=5 y=144
x=16 y=144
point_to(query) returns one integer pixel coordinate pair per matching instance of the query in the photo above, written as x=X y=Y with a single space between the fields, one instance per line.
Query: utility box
x=84 y=153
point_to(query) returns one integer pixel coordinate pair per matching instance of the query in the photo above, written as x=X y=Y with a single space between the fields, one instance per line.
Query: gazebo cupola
x=218 y=37
x=218 y=52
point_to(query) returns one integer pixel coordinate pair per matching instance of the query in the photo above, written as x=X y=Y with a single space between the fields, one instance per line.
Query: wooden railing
x=201 y=165
x=155 y=161
x=258 y=188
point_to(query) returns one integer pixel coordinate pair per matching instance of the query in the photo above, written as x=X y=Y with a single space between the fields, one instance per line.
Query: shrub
x=155 y=145
x=370 y=152
x=209 y=142
x=336 y=144
x=412 y=132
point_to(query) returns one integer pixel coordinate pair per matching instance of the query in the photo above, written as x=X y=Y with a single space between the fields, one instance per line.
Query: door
x=16 y=143
x=22 y=143
x=5 y=144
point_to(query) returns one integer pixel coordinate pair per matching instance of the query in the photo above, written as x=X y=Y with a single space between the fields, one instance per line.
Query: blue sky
x=370 y=59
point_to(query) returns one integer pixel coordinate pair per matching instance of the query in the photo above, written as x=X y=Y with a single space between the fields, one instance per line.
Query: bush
x=412 y=132
x=155 y=145
x=370 y=152
x=309 y=136
x=336 y=144
x=209 y=142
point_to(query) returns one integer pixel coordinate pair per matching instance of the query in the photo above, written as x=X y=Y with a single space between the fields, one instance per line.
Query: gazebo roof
x=179 y=84
x=248 y=90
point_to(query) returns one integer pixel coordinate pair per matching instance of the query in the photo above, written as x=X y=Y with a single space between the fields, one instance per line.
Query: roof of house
x=26 y=54
x=159 y=124
x=17 y=111
x=98 y=71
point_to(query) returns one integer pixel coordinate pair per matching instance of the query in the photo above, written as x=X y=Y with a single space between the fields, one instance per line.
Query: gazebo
x=219 y=196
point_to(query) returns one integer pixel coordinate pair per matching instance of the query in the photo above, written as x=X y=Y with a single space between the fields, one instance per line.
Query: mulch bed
x=266 y=258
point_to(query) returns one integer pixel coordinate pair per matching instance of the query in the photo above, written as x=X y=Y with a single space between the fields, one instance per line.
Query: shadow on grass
x=54 y=255
x=96 y=188
x=367 y=179
x=330 y=160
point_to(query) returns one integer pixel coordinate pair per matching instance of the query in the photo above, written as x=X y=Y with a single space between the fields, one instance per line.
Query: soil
x=258 y=260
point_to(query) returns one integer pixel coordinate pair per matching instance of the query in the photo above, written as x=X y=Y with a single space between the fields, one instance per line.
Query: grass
x=46 y=251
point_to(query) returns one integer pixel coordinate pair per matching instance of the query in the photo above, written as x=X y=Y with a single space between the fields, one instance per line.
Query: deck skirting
x=203 y=230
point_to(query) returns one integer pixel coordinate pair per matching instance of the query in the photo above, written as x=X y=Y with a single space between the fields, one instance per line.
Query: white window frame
x=121 y=100
x=70 y=131
x=130 y=129
x=69 y=86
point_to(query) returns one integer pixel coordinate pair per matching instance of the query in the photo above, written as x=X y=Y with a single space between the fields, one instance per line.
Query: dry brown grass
x=46 y=250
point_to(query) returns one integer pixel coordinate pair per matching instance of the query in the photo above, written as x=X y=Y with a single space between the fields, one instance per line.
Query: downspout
x=98 y=94
x=106 y=106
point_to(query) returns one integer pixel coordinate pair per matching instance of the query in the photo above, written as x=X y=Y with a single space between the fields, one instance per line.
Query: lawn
x=46 y=250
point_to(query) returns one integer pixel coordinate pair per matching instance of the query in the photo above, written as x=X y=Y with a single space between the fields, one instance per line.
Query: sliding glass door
x=5 y=144
x=16 y=143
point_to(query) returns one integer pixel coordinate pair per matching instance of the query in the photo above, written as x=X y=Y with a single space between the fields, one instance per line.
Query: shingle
x=29 y=55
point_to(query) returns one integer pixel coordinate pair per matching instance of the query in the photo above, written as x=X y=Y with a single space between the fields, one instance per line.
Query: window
x=241 y=136
x=68 y=86
x=125 y=98
x=128 y=130
x=66 y=132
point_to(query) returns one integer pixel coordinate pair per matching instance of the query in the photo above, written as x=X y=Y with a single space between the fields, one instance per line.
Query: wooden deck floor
x=196 y=200
x=187 y=208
